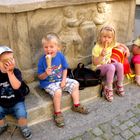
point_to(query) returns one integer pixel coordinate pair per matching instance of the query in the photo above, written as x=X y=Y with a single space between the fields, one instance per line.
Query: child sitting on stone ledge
x=11 y=93
x=136 y=59
x=101 y=60
x=52 y=73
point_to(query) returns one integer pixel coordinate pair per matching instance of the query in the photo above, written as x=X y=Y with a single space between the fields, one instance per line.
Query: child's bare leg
x=22 y=122
x=58 y=117
x=57 y=101
x=2 y=122
x=75 y=94
x=137 y=69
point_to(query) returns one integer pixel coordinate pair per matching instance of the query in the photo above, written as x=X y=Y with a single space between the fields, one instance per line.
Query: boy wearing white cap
x=11 y=88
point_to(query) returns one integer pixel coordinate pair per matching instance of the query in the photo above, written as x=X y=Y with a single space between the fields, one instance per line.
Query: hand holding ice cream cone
x=49 y=60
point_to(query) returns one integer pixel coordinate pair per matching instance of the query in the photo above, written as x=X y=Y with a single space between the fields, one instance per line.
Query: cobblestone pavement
x=118 y=120
x=123 y=127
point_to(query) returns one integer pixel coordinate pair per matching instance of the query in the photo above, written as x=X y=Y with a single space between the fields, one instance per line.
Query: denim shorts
x=18 y=111
x=53 y=87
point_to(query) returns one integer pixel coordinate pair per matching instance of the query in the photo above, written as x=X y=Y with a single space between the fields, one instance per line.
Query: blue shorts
x=52 y=88
x=18 y=111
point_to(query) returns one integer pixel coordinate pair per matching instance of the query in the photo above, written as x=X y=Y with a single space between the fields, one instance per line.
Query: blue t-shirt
x=58 y=64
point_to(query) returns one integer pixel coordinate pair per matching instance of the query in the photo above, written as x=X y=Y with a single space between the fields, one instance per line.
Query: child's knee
x=120 y=66
x=111 y=69
x=21 y=114
x=75 y=86
x=58 y=94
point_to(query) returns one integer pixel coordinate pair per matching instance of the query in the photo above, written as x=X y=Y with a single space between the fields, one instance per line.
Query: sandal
x=59 y=120
x=108 y=94
x=81 y=109
x=3 y=128
x=120 y=90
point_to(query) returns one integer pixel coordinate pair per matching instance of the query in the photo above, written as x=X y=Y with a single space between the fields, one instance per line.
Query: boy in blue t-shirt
x=52 y=72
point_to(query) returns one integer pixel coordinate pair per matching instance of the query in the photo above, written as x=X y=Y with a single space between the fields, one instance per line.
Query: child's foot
x=59 y=120
x=80 y=109
x=26 y=132
x=137 y=80
x=120 y=90
x=3 y=128
x=138 y=83
x=108 y=93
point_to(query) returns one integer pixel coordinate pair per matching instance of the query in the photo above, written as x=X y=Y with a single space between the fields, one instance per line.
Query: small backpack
x=85 y=76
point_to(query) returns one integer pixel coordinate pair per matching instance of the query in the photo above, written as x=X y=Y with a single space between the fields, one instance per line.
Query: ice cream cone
x=48 y=60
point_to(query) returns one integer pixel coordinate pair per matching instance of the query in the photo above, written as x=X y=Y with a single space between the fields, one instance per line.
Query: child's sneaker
x=108 y=93
x=3 y=128
x=80 y=109
x=120 y=90
x=26 y=132
x=59 y=120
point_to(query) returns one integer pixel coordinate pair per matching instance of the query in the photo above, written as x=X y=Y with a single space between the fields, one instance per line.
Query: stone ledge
x=16 y=6
x=40 y=106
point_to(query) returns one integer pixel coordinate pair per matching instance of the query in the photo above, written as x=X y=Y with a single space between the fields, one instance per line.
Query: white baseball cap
x=5 y=49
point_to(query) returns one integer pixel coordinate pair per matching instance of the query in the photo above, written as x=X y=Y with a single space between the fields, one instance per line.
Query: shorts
x=136 y=59
x=18 y=111
x=53 y=87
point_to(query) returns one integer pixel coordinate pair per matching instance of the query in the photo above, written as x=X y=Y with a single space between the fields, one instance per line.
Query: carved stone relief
x=101 y=16
x=77 y=34
x=71 y=41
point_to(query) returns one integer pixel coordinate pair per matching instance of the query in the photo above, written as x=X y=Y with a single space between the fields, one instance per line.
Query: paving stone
x=117 y=137
x=135 y=130
x=129 y=123
x=116 y=130
x=97 y=131
x=138 y=124
x=88 y=136
x=130 y=114
x=137 y=137
x=136 y=110
x=134 y=120
x=107 y=136
x=122 y=118
x=97 y=138
x=123 y=126
x=127 y=134
x=115 y=122
x=77 y=138
x=138 y=117
x=106 y=127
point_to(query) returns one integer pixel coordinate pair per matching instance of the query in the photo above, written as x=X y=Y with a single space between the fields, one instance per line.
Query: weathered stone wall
x=77 y=23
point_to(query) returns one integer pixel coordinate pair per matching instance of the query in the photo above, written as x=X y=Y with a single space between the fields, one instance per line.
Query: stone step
x=40 y=107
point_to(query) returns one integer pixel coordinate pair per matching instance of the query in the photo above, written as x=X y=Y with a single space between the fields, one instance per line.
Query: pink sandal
x=120 y=90
x=108 y=94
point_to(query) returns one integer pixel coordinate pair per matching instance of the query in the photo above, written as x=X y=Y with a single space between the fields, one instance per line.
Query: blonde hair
x=108 y=29
x=51 y=37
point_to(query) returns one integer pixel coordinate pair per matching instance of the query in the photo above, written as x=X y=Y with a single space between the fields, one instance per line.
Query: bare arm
x=15 y=83
x=64 y=76
x=100 y=58
x=9 y=68
x=45 y=74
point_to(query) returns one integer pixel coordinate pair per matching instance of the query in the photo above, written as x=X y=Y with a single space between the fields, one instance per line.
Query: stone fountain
x=23 y=23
